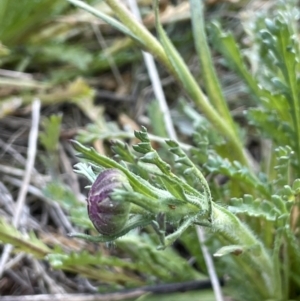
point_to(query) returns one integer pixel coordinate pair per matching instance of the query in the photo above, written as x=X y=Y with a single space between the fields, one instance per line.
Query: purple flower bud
x=107 y=215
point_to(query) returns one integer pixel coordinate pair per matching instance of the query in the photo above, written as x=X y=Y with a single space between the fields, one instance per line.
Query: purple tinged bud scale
x=108 y=216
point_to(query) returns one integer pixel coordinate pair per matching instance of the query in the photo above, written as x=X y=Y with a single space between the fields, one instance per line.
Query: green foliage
x=211 y=81
x=277 y=116
x=20 y=19
x=225 y=43
x=284 y=156
x=275 y=89
x=257 y=207
x=251 y=215
x=111 y=21
x=264 y=211
x=216 y=118
x=30 y=244
x=94 y=266
x=205 y=295
x=50 y=137
x=271 y=125
x=60 y=193
x=177 y=202
x=147 y=260
x=156 y=116
x=72 y=55
x=215 y=164
x=164 y=264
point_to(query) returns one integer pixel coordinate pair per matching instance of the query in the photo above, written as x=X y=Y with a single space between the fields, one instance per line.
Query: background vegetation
x=232 y=90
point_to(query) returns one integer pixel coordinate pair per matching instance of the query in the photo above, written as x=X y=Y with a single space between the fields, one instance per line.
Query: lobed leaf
x=235 y=170
x=257 y=208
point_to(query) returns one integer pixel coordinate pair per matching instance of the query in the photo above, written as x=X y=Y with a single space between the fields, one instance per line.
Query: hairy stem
x=258 y=263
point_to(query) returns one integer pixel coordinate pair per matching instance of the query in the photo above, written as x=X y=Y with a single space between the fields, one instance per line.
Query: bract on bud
x=107 y=215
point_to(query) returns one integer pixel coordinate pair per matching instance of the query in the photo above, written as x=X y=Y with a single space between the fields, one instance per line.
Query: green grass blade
x=212 y=84
x=226 y=44
x=190 y=85
x=111 y=21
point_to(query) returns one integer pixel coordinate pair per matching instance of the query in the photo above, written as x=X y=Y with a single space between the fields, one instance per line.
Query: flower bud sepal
x=132 y=223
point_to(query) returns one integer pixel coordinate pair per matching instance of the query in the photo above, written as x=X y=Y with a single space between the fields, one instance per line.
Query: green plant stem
x=256 y=257
x=277 y=265
x=189 y=81
x=138 y=29
x=286 y=272
x=206 y=188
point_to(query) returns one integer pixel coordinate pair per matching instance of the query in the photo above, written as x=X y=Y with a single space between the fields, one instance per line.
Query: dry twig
x=32 y=146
